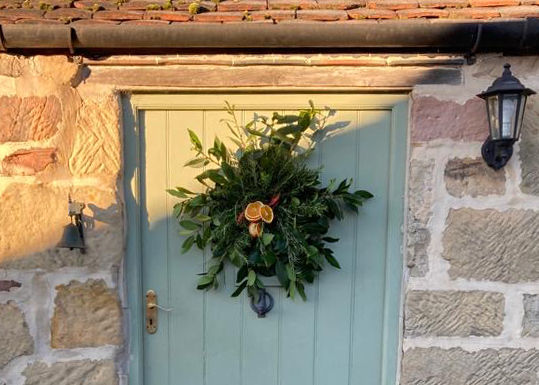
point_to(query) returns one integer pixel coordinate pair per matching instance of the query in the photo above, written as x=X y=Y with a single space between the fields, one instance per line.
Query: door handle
x=151 y=312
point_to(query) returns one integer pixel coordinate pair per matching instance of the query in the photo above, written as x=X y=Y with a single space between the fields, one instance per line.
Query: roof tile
x=219 y=17
x=474 y=13
x=167 y=15
x=208 y=6
x=68 y=13
x=443 y=3
x=392 y=4
x=118 y=15
x=493 y=3
x=97 y=5
x=145 y=22
x=272 y=15
x=15 y=14
x=422 y=13
x=341 y=4
x=522 y=11
x=362 y=13
x=243 y=5
x=140 y=5
x=322 y=15
x=292 y=4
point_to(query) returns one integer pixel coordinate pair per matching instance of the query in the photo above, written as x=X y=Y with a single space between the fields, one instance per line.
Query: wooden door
x=347 y=332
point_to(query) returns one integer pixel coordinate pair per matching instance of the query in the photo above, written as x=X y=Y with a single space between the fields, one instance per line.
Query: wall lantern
x=73 y=237
x=506 y=101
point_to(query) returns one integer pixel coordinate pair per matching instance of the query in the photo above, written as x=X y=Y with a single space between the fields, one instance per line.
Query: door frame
x=132 y=104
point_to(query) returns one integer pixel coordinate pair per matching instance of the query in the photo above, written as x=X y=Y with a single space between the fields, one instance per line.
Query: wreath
x=263 y=209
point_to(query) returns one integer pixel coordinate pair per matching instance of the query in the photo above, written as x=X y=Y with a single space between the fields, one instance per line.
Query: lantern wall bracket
x=497 y=153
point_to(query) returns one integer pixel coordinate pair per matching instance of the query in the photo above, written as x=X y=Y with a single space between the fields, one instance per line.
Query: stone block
x=15 y=338
x=86 y=315
x=530 y=322
x=435 y=366
x=471 y=176
x=442 y=119
x=83 y=372
x=421 y=195
x=492 y=245
x=28 y=162
x=454 y=313
x=97 y=150
x=10 y=65
x=529 y=148
x=32 y=218
x=42 y=115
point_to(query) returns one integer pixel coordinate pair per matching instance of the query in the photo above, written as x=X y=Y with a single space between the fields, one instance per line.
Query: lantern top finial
x=507 y=83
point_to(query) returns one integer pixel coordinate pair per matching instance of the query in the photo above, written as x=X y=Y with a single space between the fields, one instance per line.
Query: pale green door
x=348 y=330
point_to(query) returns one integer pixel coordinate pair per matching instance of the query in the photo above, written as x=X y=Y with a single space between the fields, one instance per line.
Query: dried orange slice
x=255 y=229
x=252 y=212
x=266 y=213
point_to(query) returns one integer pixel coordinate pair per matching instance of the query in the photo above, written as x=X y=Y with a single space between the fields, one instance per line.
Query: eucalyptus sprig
x=267 y=167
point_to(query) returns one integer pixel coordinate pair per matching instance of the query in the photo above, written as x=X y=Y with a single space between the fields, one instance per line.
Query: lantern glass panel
x=509 y=116
x=493 y=116
x=521 y=109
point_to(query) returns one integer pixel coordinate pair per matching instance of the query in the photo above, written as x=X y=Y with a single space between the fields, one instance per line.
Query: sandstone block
x=86 y=315
x=530 y=323
x=32 y=118
x=83 y=372
x=467 y=176
x=96 y=151
x=529 y=148
x=15 y=338
x=492 y=245
x=59 y=69
x=441 y=119
x=421 y=185
x=435 y=366
x=10 y=65
x=28 y=162
x=32 y=218
x=454 y=313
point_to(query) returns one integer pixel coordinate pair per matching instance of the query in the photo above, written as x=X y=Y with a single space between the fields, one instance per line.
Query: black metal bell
x=72 y=238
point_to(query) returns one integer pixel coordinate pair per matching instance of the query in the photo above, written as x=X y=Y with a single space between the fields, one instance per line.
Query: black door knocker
x=264 y=304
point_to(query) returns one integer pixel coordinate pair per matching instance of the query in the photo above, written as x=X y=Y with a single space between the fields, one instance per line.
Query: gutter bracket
x=470 y=56
x=71 y=36
x=3 y=47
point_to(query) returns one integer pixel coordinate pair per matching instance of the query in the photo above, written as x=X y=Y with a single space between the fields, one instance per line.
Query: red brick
x=68 y=13
x=88 y=4
x=443 y=3
x=272 y=15
x=118 y=15
x=474 y=13
x=493 y=3
x=247 y=5
x=322 y=15
x=521 y=11
x=362 y=13
x=392 y=4
x=218 y=17
x=293 y=4
x=28 y=162
x=422 y=12
x=168 y=16
x=16 y=14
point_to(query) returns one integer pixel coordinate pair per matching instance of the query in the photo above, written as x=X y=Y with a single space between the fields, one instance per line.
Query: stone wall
x=60 y=311
x=471 y=305
x=472 y=293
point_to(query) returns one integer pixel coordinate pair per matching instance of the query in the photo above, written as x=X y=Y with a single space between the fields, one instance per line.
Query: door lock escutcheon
x=151 y=312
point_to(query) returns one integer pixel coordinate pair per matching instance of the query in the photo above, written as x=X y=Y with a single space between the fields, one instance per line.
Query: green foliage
x=194 y=7
x=269 y=165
